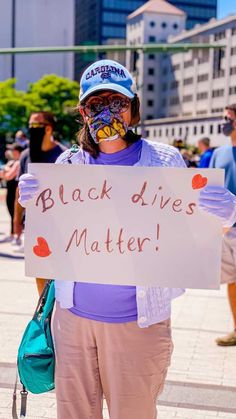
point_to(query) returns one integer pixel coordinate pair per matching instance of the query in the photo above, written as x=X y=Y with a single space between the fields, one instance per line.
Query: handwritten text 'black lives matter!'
x=119 y=241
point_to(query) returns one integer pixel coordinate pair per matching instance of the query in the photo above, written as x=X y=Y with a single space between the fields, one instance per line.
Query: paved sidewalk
x=201 y=382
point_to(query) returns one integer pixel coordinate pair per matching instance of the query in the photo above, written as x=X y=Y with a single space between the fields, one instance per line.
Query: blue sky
x=226 y=7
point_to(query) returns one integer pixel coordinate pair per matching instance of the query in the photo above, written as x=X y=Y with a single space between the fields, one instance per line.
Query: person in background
x=21 y=139
x=225 y=158
x=205 y=151
x=43 y=148
x=9 y=174
x=115 y=340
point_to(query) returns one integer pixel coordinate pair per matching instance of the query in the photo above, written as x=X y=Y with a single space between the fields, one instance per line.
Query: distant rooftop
x=197 y=29
x=157 y=6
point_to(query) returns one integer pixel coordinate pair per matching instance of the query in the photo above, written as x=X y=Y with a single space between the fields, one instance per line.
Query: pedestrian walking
x=9 y=173
x=114 y=340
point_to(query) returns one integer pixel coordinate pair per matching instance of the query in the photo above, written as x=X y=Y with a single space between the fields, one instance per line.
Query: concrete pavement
x=201 y=382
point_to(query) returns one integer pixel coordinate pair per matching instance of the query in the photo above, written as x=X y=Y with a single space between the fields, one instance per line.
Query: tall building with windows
x=100 y=22
x=104 y=21
x=153 y=22
x=198 y=11
x=33 y=23
x=197 y=85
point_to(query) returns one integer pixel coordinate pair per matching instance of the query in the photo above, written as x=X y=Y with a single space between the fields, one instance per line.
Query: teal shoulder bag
x=36 y=358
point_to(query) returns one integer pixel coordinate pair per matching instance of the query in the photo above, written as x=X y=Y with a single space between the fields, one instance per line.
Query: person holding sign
x=115 y=340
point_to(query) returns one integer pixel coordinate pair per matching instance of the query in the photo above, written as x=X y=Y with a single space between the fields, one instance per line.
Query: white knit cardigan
x=153 y=303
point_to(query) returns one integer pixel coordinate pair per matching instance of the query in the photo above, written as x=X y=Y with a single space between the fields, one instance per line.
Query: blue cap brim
x=107 y=86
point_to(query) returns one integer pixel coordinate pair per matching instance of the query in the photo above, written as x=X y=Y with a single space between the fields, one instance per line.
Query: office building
x=104 y=21
x=153 y=22
x=197 y=11
x=33 y=23
x=197 y=85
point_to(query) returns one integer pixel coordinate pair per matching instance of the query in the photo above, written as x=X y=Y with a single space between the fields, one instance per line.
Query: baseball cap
x=106 y=75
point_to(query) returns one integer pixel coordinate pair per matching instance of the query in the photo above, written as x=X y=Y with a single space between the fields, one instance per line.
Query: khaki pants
x=126 y=364
x=228 y=260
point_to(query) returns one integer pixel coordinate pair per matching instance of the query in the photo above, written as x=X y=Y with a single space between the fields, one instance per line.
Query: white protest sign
x=123 y=225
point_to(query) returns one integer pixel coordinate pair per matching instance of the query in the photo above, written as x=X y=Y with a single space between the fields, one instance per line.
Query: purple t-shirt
x=109 y=303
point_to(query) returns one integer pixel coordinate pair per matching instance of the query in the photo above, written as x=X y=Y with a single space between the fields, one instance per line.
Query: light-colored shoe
x=227 y=340
x=19 y=249
x=7 y=239
x=16 y=241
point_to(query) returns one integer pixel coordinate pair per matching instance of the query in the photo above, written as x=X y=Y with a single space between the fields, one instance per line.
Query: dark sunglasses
x=115 y=104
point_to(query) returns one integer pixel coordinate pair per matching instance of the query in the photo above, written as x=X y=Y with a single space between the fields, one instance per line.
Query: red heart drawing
x=42 y=249
x=198 y=181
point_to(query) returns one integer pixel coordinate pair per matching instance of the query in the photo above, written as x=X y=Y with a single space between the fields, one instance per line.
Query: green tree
x=60 y=96
x=51 y=93
x=13 y=108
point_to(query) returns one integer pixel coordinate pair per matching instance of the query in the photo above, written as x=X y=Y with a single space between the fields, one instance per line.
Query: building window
x=164 y=71
x=151 y=71
x=150 y=102
x=202 y=77
x=180 y=130
x=154 y=133
x=232 y=71
x=151 y=56
x=202 y=95
x=175 y=26
x=164 y=87
x=167 y=132
x=232 y=90
x=152 y=24
x=233 y=51
x=188 y=81
x=202 y=112
x=152 y=38
x=217 y=110
x=187 y=98
x=150 y=87
x=218 y=74
x=202 y=129
x=218 y=93
x=203 y=56
x=188 y=63
x=174 y=100
x=174 y=84
x=173 y=132
x=163 y=102
x=160 y=133
x=164 y=25
x=234 y=31
x=219 y=35
x=195 y=130
x=219 y=129
x=175 y=67
x=149 y=117
x=147 y=133
x=211 y=129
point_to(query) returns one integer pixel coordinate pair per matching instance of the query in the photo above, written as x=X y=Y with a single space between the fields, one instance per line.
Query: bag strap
x=24 y=392
x=42 y=299
x=23 y=404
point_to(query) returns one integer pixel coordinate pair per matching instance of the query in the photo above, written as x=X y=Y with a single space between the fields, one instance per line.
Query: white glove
x=219 y=201
x=28 y=186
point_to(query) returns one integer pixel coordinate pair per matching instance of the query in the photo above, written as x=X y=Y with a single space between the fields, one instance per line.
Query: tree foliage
x=51 y=93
